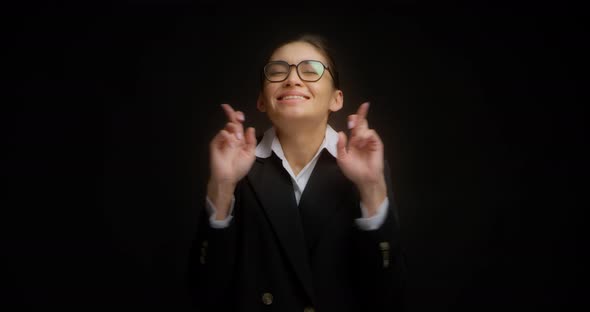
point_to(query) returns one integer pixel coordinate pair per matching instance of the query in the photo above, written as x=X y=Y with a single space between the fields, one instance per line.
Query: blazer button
x=308 y=309
x=267 y=298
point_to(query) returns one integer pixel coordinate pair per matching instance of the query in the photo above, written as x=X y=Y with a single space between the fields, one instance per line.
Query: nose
x=292 y=77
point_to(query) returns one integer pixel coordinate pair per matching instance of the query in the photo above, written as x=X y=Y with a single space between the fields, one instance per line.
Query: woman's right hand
x=231 y=154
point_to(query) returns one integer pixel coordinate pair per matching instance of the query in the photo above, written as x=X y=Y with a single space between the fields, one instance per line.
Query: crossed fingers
x=233 y=133
x=359 y=127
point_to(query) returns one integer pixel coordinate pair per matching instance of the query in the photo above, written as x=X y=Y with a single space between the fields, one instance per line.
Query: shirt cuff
x=375 y=221
x=219 y=224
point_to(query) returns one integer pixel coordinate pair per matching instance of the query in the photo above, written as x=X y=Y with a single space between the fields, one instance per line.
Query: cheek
x=268 y=92
x=322 y=93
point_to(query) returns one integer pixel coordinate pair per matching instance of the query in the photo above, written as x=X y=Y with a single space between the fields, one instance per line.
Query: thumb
x=341 y=146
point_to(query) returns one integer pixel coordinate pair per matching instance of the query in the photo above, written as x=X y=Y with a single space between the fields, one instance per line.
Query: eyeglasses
x=308 y=70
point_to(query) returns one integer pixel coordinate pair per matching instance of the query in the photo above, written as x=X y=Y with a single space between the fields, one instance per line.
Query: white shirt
x=270 y=143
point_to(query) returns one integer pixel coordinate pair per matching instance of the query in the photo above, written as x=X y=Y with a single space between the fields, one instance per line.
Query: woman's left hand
x=362 y=160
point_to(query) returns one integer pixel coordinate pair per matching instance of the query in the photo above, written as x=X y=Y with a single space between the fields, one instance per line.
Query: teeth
x=291 y=97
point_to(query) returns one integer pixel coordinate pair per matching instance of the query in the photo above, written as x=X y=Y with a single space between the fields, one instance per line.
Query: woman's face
x=294 y=100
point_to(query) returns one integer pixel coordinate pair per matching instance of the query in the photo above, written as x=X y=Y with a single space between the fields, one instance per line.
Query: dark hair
x=317 y=41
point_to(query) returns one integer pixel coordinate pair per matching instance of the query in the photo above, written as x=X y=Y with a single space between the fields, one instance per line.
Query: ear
x=260 y=103
x=337 y=101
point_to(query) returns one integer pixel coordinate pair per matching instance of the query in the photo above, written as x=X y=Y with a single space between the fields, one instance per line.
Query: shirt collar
x=270 y=143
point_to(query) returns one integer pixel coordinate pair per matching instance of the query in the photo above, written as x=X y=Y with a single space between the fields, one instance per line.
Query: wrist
x=220 y=185
x=220 y=194
x=372 y=195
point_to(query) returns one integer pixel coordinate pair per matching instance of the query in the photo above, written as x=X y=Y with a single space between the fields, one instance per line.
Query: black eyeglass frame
x=296 y=70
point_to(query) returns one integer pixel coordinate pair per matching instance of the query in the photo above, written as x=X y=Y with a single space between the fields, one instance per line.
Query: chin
x=287 y=117
x=291 y=112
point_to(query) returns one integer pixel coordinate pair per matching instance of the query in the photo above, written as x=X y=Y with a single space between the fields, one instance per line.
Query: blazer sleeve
x=212 y=262
x=382 y=265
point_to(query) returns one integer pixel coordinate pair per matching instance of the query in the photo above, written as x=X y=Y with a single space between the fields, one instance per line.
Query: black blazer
x=277 y=256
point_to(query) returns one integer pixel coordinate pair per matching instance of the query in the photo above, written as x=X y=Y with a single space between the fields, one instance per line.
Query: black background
x=109 y=110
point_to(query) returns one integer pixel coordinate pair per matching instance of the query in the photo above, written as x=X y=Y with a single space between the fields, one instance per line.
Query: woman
x=302 y=220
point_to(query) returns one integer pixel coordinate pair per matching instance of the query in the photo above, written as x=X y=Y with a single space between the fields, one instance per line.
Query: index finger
x=362 y=111
x=230 y=113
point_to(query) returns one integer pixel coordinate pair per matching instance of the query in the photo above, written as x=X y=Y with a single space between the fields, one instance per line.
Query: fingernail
x=241 y=117
x=239 y=135
x=350 y=124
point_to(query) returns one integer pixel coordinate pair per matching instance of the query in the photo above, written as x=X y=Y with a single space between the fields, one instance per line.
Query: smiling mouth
x=293 y=97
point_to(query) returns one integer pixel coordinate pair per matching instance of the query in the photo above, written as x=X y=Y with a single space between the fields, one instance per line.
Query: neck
x=301 y=144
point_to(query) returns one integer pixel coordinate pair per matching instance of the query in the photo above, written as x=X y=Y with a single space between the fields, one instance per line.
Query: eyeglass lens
x=307 y=70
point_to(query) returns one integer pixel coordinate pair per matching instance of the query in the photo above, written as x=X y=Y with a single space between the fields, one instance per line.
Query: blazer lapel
x=274 y=190
x=322 y=197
